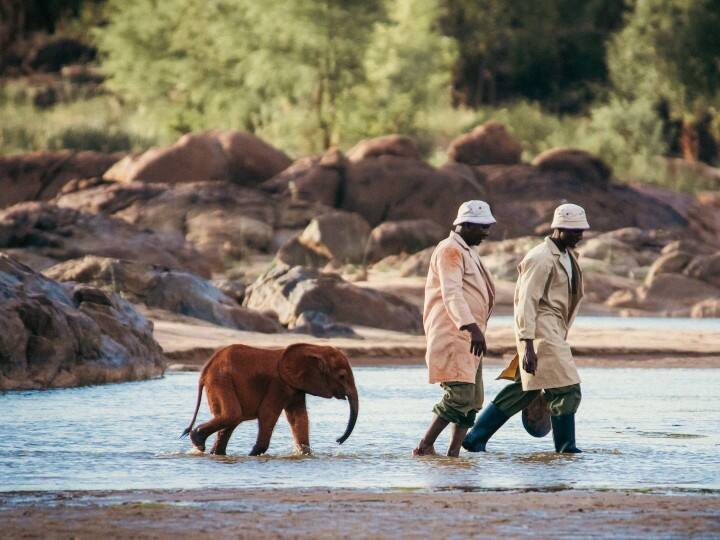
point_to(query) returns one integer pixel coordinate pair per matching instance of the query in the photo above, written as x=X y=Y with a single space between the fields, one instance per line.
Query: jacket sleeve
x=533 y=275
x=450 y=269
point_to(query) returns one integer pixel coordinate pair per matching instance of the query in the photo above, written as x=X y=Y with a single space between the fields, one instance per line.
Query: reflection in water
x=639 y=429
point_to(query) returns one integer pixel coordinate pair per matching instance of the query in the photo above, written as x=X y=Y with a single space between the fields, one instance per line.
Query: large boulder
x=250 y=159
x=392 y=188
x=42 y=175
x=668 y=263
x=708 y=308
x=294 y=253
x=501 y=258
x=667 y=290
x=613 y=256
x=313 y=178
x=59 y=336
x=64 y=233
x=523 y=199
x=599 y=286
x=388 y=145
x=178 y=292
x=407 y=236
x=215 y=155
x=223 y=221
x=193 y=158
x=705 y=268
x=487 y=144
x=582 y=164
x=665 y=293
x=290 y=292
x=338 y=236
x=701 y=221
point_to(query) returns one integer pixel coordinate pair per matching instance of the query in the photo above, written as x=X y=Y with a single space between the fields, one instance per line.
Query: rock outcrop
x=582 y=164
x=59 y=336
x=389 y=145
x=232 y=156
x=52 y=232
x=337 y=236
x=487 y=144
x=41 y=175
x=408 y=236
x=290 y=292
x=223 y=221
x=178 y=292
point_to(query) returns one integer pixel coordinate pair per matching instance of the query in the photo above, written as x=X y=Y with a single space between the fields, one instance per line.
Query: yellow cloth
x=459 y=291
x=545 y=309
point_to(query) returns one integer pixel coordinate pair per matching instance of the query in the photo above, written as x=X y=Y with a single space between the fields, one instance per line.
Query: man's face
x=571 y=237
x=474 y=233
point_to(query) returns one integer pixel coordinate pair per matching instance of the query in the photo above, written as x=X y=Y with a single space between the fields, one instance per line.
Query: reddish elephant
x=245 y=383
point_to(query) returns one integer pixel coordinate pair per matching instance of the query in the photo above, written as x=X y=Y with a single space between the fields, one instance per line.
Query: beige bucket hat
x=474 y=212
x=569 y=216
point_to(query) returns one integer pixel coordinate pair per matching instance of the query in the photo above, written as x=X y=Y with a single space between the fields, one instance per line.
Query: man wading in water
x=459 y=296
x=547 y=296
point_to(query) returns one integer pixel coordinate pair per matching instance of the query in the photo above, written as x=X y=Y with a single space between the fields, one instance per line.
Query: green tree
x=408 y=72
x=547 y=50
x=669 y=50
x=239 y=63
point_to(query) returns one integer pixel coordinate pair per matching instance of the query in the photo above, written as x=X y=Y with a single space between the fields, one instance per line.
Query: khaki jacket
x=459 y=290
x=545 y=308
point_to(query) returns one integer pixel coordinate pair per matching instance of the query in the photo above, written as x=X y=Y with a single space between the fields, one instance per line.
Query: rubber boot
x=563 y=428
x=491 y=419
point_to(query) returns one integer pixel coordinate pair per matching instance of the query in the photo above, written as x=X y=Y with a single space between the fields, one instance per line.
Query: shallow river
x=640 y=429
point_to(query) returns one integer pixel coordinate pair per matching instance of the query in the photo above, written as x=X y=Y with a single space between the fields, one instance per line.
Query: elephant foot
x=424 y=450
x=257 y=451
x=197 y=440
x=303 y=450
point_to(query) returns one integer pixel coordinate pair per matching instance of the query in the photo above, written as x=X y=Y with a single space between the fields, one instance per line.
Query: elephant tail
x=197 y=408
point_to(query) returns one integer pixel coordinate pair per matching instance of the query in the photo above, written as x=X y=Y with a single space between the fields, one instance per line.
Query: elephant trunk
x=353 y=401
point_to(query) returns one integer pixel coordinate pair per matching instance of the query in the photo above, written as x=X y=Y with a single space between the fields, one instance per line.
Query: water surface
x=641 y=429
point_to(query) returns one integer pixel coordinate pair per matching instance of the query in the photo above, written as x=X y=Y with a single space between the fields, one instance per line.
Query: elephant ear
x=303 y=367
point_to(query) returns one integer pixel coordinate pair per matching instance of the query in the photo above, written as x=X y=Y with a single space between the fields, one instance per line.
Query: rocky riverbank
x=221 y=228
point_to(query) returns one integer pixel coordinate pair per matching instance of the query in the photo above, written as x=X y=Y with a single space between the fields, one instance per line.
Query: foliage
x=100 y=123
x=405 y=78
x=669 y=50
x=549 y=50
x=240 y=63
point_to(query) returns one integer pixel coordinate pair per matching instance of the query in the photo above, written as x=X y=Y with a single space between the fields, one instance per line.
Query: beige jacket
x=545 y=308
x=458 y=291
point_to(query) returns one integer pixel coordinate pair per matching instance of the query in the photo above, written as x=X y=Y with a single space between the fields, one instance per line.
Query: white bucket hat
x=474 y=212
x=569 y=216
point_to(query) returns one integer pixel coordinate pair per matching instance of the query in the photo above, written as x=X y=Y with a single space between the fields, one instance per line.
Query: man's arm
x=530 y=287
x=450 y=273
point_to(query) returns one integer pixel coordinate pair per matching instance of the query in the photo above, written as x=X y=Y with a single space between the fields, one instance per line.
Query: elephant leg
x=227 y=414
x=267 y=418
x=223 y=436
x=296 y=413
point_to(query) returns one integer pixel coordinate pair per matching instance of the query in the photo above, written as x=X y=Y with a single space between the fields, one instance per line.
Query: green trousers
x=461 y=401
x=563 y=400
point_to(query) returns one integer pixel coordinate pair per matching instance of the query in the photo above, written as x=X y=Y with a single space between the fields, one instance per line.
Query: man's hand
x=477 y=339
x=530 y=359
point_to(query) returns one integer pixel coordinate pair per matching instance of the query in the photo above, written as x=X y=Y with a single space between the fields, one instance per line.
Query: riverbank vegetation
x=628 y=80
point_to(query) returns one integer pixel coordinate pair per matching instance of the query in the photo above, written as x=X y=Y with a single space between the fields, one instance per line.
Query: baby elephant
x=244 y=383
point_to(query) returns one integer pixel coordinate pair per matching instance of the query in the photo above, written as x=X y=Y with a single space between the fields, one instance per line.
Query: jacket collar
x=459 y=239
x=556 y=250
x=552 y=246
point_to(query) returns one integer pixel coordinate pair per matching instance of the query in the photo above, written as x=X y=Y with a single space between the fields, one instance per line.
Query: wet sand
x=287 y=513
x=188 y=343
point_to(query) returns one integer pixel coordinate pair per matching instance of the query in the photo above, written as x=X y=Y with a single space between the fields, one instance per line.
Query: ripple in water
x=639 y=429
